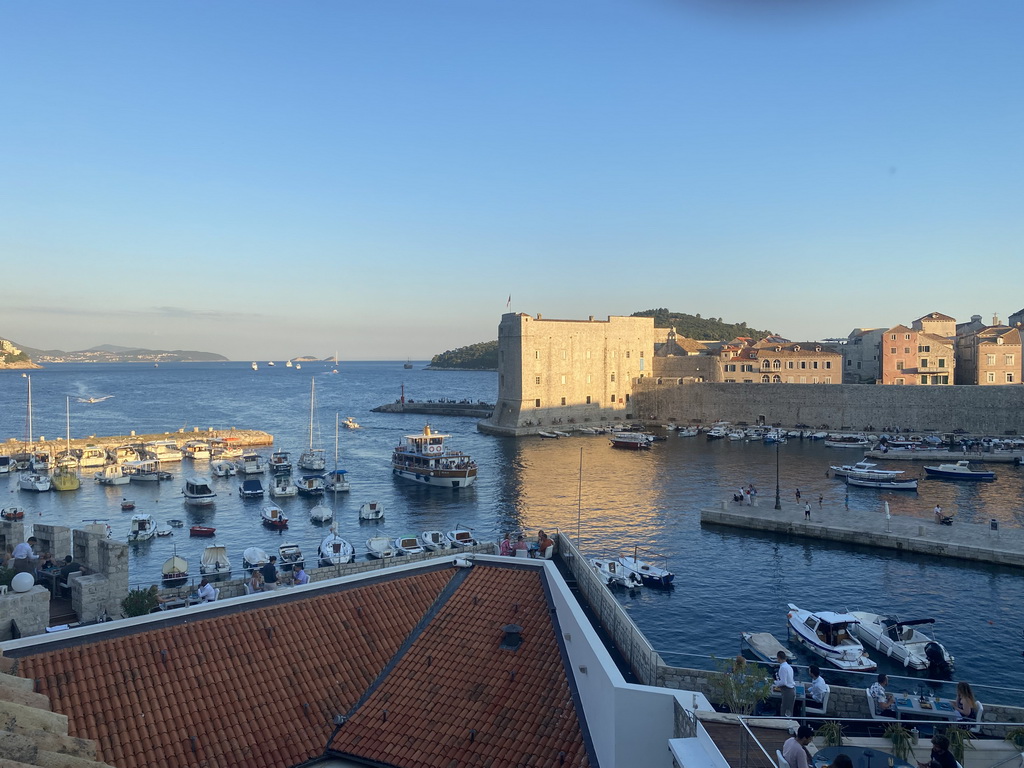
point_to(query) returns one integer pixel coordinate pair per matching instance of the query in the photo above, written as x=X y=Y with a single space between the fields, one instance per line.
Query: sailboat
x=312 y=458
x=64 y=477
x=336 y=480
x=408 y=364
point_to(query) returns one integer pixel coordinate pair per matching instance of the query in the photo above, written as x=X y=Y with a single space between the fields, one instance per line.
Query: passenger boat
x=881 y=482
x=33 y=481
x=902 y=641
x=321 y=513
x=650 y=575
x=311 y=485
x=461 y=537
x=197 y=491
x=251 y=463
x=282 y=487
x=12 y=513
x=409 y=545
x=162 y=450
x=847 y=441
x=334 y=550
x=764 y=646
x=289 y=556
x=829 y=635
x=112 y=474
x=312 y=458
x=863 y=466
x=197 y=450
x=379 y=547
x=280 y=462
x=251 y=488
x=146 y=471
x=201 y=531
x=962 y=470
x=143 y=528
x=92 y=456
x=433 y=540
x=614 y=575
x=634 y=441
x=174 y=572
x=426 y=460
x=253 y=558
x=272 y=516
x=215 y=562
x=371 y=510
x=223 y=468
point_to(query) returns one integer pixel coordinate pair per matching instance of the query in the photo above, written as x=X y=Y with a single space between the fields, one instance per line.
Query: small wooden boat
x=215 y=562
x=288 y=556
x=12 y=513
x=379 y=547
x=409 y=545
x=202 y=531
x=321 y=513
x=272 y=516
x=764 y=646
x=254 y=557
x=433 y=540
x=164 y=531
x=127 y=504
x=175 y=523
x=174 y=572
x=461 y=537
x=371 y=510
x=866 y=480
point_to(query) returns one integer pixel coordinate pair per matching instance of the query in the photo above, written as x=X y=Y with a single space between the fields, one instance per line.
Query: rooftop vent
x=512 y=639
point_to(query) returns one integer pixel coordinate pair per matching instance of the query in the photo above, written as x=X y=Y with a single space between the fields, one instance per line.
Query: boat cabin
x=831 y=628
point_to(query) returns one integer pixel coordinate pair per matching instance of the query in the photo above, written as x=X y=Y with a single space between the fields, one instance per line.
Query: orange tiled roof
x=262 y=685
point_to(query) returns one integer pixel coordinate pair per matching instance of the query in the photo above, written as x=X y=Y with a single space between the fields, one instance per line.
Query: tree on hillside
x=696 y=327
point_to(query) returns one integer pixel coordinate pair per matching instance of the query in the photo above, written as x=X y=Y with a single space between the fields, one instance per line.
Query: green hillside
x=475 y=357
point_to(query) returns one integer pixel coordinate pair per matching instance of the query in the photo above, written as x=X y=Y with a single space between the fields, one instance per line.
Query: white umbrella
x=887 y=515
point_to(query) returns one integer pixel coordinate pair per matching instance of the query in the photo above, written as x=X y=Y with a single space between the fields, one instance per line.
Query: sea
x=610 y=501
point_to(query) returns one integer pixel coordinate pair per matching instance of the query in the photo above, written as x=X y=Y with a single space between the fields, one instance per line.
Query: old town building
x=989 y=356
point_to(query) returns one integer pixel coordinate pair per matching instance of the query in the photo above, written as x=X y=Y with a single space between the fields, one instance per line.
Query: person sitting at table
x=818 y=688
x=505 y=548
x=255 y=583
x=795 y=749
x=521 y=545
x=24 y=557
x=941 y=757
x=46 y=562
x=885 y=704
x=206 y=592
x=299 y=575
x=69 y=567
x=842 y=760
x=543 y=543
x=966 y=705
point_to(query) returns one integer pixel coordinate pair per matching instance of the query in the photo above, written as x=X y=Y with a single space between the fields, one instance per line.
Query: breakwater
x=478 y=410
x=243 y=437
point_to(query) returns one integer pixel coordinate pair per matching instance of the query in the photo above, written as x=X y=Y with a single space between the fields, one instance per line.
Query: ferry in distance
x=94 y=399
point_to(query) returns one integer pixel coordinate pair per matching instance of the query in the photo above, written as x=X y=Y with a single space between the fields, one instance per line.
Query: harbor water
x=727 y=581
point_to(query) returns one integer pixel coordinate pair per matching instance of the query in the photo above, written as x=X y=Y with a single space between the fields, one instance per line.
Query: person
x=938 y=513
x=941 y=757
x=795 y=748
x=69 y=567
x=543 y=544
x=798 y=494
x=807 y=510
x=821 y=500
x=818 y=687
x=299 y=575
x=25 y=558
x=885 y=704
x=505 y=548
x=256 y=581
x=521 y=544
x=785 y=685
x=269 y=572
x=966 y=705
x=842 y=760
x=206 y=592
x=46 y=562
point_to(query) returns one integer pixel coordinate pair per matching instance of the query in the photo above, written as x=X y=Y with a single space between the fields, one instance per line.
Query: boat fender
x=462 y=562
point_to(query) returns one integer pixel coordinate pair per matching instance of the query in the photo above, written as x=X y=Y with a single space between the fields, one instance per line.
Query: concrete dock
x=964 y=541
x=243 y=437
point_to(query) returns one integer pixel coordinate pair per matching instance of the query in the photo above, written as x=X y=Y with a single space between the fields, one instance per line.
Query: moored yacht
x=197 y=491
x=425 y=459
x=830 y=635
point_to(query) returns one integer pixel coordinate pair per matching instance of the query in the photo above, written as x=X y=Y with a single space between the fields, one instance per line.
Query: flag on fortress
x=508 y=304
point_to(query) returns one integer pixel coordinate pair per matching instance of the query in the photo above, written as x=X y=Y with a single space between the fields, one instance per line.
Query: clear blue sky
x=273 y=179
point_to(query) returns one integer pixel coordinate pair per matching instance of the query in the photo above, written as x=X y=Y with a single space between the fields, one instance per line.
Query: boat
x=12 y=513
x=350 y=423
x=288 y=556
x=426 y=460
x=253 y=558
x=547 y=435
x=687 y=432
x=251 y=488
x=164 y=531
x=371 y=510
x=143 y=527
x=461 y=537
x=162 y=451
x=902 y=641
x=33 y=481
x=112 y=474
x=254 y=366
x=614 y=575
x=280 y=462
x=197 y=450
x=272 y=516
x=409 y=545
x=407 y=365
x=175 y=523
x=312 y=458
x=311 y=485
x=223 y=468
x=847 y=441
x=829 y=635
x=283 y=487
x=764 y=646
x=271 y=363
x=251 y=463
x=197 y=491
x=6 y=464
x=867 y=480
x=65 y=479
x=215 y=562
x=650 y=575
x=145 y=471
x=962 y=470
x=634 y=441
x=298 y=366
x=288 y=364
x=863 y=466
x=379 y=547
x=127 y=505
x=334 y=550
x=433 y=540
x=40 y=461
x=225 y=448
x=174 y=572
x=335 y=481
x=321 y=513
x=201 y=531
x=717 y=433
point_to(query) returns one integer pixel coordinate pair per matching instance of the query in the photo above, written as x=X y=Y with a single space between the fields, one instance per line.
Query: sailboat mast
x=67 y=411
x=312 y=392
x=30 y=441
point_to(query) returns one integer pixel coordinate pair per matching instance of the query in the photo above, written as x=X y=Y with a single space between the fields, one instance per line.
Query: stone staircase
x=33 y=735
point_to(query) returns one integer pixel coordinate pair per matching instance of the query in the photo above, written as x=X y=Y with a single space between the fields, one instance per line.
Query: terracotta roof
x=412 y=659
x=935 y=316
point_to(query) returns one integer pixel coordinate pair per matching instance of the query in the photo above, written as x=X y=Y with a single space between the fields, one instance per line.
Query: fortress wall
x=978 y=410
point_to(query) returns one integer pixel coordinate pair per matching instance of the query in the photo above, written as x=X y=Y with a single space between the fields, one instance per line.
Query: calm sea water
x=727 y=581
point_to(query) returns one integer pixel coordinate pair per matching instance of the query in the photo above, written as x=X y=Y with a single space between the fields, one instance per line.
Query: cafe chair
x=783 y=762
x=809 y=707
x=872 y=709
x=522 y=553
x=976 y=728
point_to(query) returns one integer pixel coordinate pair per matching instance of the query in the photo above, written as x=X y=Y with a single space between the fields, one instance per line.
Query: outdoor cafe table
x=911 y=708
x=799 y=702
x=860 y=756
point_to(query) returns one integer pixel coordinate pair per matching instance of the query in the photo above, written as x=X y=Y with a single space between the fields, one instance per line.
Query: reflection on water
x=727 y=581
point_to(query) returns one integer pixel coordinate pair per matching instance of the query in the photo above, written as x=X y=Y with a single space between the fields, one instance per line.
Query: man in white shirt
x=785 y=685
x=818 y=688
x=206 y=592
x=24 y=556
x=885 y=704
x=795 y=748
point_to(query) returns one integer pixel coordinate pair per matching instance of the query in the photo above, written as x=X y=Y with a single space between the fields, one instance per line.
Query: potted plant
x=901 y=739
x=139 y=602
x=1016 y=737
x=959 y=739
x=738 y=686
x=831 y=733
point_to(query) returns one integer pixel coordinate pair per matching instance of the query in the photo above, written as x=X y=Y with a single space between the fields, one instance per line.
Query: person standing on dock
x=798 y=494
x=807 y=510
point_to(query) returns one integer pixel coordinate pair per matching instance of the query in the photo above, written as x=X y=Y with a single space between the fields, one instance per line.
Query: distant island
x=26 y=357
x=484 y=355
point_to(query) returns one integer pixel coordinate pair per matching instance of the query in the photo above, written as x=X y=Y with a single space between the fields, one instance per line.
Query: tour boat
x=881 y=482
x=334 y=550
x=215 y=562
x=425 y=459
x=272 y=516
x=379 y=547
x=174 y=572
x=371 y=510
x=143 y=528
x=962 y=470
x=829 y=635
x=634 y=441
x=461 y=537
x=283 y=487
x=112 y=474
x=409 y=545
x=197 y=491
x=902 y=641
x=863 y=466
x=433 y=540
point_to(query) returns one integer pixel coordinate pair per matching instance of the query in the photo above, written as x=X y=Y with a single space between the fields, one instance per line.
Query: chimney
x=995 y=319
x=512 y=639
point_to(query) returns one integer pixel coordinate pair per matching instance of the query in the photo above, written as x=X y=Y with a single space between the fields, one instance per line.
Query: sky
x=384 y=179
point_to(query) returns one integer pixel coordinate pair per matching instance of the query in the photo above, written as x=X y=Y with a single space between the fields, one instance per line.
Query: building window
x=899 y=365
x=991 y=377
x=1009 y=378
x=613 y=398
x=803 y=364
x=588 y=354
x=536 y=403
x=906 y=350
x=536 y=354
x=627 y=397
x=827 y=380
x=803 y=379
x=814 y=379
x=766 y=379
x=613 y=375
x=627 y=354
x=789 y=364
x=900 y=381
x=563 y=401
x=776 y=379
x=776 y=364
x=990 y=359
x=924 y=379
x=641 y=355
x=924 y=362
x=588 y=399
x=563 y=378
x=924 y=348
x=942 y=362
x=906 y=336
x=892 y=350
x=766 y=364
x=858 y=365
x=536 y=379
x=814 y=364
x=893 y=337
x=789 y=379
x=828 y=364
x=501 y=380
x=642 y=361
x=849 y=363
x=1009 y=360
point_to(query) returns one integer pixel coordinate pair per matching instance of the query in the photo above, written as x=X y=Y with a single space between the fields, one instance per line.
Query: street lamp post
x=778 y=501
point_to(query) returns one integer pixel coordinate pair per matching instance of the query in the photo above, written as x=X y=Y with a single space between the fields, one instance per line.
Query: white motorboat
x=426 y=460
x=197 y=491
x=33 y=481
x=174 y=572
x=251 y=488
x=215 y=562
x=409 y=545
x=162 y=450
x=225 y=448
x=634 y=441
x=122 y=453
x=311 y=485
x=254 y=557
x=321 y=513
x=847 y=441
x=902 y=641
x=371 y=510
x=334 y=550
x=280 y=462
x=92 y=456
x=143 y=527
x=461 y=537
x=251 y=463
x=336 y=481
x=651 y=575
x=197 y=450
x=962 y=470
x=312 y=458
x=547 y=435
x=223 y=468
x=272 y=516
x=765 y=646
x=145 y=471
x=6 y=464
x=863 y=466
x=687 y=432
x=40 y=461
x=612 y=574
x=283 y=487
x=829 y=635
x=380 y=547
x=433 y=540
x=112 y=474
x=350 y=423
x=717 y=433
x=254 y=366
x=881 y=482
x=289 y=556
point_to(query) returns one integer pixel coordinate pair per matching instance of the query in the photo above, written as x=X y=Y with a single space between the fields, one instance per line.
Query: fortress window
x=588 y=378
x=536 y=379
x=627 y=397
x=627 y=354
x=613 y=398
x=536 y=403
x=588 y=354
x=613 y=375
x=563 y=401
x=536 y=354
x=563 y=379
x=588 y=399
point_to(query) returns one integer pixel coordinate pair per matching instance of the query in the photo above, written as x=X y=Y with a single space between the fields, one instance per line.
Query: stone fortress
x=566 y=374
